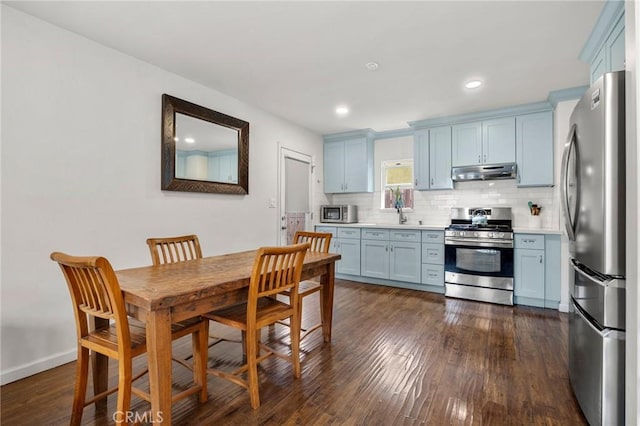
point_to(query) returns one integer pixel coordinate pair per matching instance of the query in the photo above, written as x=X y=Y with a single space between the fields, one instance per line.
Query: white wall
x=81 y=174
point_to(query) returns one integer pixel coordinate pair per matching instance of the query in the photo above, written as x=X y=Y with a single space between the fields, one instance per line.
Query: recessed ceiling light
x=372 y=66
x=189 y=140
x=473 y=84
x=176 y=139
x=342 y=110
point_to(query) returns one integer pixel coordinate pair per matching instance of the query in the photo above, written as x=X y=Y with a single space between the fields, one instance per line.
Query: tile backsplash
x=433 y=207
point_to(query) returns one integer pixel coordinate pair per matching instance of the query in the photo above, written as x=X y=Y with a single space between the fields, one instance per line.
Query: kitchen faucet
x=402 y=218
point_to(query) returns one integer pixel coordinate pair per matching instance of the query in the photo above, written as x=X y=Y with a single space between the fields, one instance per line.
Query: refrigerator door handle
x=601 y=333
x=564 y=183
x=588 y=276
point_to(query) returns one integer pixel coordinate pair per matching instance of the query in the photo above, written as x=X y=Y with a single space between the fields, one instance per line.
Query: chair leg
x=199 y=341
x=80 y=392
x=252 y=372
x=125 y=378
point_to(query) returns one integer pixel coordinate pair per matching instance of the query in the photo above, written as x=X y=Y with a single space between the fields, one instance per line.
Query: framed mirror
x=203 y=150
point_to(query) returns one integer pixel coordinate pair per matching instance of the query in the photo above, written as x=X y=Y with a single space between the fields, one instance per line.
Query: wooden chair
x=174 y=249
x=102 y=326
x=275 y=269
x=319 y=243
x=178 y=249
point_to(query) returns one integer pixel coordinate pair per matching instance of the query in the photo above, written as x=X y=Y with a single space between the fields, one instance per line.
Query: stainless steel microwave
x=339 y=214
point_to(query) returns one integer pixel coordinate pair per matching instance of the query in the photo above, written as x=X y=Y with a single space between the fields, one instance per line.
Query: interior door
x=295 y=194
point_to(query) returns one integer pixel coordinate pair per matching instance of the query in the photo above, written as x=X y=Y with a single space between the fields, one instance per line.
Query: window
x=397 y=183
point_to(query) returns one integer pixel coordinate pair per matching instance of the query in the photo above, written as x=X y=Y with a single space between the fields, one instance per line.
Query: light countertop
x=434 y=227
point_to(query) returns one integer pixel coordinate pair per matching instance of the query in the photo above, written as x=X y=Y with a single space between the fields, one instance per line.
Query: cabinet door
x=350 y=262
x=334 y=167
x=375 y=259
x=466 y=144
x=433 y=275
x=440 y=158
x=534 y=149
x=499 y=141
x=356 y=166
x=529 y=273
x=404 y=264
x=421 y=159
x=614 y=48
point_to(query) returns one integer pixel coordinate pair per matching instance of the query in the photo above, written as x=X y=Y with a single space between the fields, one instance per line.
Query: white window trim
x=383 y=166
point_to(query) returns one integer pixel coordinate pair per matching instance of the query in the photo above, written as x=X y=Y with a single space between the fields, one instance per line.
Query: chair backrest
x=95 y=293
x=174 y=249
x=319 y=240
x=276 y=269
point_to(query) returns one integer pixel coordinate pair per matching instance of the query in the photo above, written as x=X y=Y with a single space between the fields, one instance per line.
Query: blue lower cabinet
x=404 y=262
x=537 y=270
x=391 y=255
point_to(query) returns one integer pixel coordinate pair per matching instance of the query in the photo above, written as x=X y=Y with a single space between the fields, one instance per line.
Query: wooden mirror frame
x=171 y=106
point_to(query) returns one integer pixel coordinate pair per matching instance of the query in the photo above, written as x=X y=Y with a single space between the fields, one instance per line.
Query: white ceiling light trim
x=473 y=84
x=372 y=66
x=342 y=110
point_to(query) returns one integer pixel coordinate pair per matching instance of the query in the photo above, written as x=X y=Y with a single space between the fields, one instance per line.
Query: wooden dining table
x=164 y=294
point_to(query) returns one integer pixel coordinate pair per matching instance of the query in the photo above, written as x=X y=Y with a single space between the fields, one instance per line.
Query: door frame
x=283 y=153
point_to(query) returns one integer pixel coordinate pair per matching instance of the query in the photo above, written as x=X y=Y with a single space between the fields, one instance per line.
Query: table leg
x=328 y=281
x=159 y=354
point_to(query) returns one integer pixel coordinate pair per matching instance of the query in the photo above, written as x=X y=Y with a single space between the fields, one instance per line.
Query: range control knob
x=501 y=235
x=490 y=235
x=476 y=234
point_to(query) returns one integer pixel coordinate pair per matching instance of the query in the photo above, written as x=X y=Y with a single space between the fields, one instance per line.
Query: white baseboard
x=563 y=307
x=38 y=366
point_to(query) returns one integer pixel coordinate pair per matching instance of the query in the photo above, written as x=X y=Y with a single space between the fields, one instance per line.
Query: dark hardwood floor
x=397 y=357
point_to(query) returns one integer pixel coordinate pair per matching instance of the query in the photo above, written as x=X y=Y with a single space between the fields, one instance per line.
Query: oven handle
x=478 y=243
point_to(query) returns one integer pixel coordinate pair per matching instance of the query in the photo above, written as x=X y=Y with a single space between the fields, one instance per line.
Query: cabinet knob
x=485 y=158
x=431 y=181
x=416 y=182
x=540 y=259
x=479 y=161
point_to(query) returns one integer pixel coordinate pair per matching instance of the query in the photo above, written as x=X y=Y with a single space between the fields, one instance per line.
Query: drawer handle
x=528 y=241
x=433 y=236
x=432 y=275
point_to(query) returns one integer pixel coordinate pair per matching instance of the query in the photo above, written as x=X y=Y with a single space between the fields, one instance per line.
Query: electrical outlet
x=272 y=203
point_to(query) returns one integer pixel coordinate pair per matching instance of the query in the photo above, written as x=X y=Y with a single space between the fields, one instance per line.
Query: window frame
x=386 y=164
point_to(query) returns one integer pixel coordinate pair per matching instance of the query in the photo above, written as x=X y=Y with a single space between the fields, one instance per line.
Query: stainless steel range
x=479 y=254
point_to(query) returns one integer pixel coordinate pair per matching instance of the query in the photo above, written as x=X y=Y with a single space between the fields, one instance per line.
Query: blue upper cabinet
x=421 y=159
x=498 y=140
x=466 y=144
x=534 y=148
x=348 y=163
x=432 y=158
x=440 y=158
x=604 y=48
x=484 y=142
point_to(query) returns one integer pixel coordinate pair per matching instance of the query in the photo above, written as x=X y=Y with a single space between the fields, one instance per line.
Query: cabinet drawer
x=433 y=253
x=412 y=236
x=432 y=274
x=529 y=241
x=433 y=237
x=349 y=233
x=327 y=229
x=375 y=234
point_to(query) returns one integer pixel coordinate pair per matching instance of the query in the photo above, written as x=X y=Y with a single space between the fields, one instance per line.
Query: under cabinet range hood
x=484 y=172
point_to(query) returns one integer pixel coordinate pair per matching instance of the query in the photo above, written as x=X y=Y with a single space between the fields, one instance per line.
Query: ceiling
x=300 y=60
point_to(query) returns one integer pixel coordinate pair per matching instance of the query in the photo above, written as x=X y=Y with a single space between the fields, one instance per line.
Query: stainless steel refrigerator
x=593 y=201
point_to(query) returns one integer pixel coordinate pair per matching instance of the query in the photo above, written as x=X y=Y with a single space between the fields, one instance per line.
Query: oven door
x=479 y=259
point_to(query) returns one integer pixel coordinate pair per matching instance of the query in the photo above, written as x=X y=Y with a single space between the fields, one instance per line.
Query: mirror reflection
x=205 y=151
